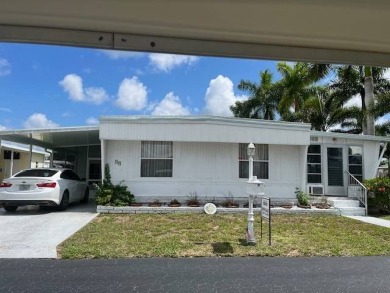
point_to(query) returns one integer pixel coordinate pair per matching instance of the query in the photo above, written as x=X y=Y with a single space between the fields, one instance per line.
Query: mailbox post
x=254 y=188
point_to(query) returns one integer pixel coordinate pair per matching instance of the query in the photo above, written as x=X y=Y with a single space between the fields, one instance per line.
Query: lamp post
x=250 y=237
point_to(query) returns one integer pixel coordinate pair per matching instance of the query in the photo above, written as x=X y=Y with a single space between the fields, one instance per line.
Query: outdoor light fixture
x=251 y=150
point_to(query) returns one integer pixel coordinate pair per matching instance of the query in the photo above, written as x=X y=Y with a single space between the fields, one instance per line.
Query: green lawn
x=195 y=235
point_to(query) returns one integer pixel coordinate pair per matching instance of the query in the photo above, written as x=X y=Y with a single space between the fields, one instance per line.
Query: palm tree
x=262 y=103
x=294 y=88
x=323 y=112
x=357 y=81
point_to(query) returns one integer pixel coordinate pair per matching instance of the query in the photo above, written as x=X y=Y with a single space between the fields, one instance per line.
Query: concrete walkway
x=372 y=220
x=32 y=233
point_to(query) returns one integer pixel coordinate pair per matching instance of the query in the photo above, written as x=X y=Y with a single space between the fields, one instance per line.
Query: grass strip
x=200 y=235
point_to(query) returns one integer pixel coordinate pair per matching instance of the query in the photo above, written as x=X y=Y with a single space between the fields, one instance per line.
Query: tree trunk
x=368 y=116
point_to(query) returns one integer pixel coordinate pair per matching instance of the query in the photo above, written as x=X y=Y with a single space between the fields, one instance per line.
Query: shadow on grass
x=222 y=247
x=243 y=242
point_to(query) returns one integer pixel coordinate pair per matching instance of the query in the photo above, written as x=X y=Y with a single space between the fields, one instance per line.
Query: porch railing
x=358 y=190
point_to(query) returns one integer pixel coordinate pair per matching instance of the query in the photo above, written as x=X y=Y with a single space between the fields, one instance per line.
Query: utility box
x=255 y=187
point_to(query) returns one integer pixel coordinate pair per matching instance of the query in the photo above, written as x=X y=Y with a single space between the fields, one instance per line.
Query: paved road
x=367 y=274
x=32 y=233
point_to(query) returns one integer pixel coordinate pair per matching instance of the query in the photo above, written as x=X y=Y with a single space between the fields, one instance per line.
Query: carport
x=77 y=148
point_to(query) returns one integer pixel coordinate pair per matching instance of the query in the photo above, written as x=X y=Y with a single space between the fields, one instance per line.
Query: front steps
x=347 y=206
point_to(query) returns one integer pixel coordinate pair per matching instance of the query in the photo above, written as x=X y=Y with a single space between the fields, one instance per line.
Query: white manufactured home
x=173 y=157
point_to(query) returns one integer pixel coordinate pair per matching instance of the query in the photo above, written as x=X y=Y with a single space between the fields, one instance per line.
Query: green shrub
x=110 y=194
x=302 y=197
x=379 y=188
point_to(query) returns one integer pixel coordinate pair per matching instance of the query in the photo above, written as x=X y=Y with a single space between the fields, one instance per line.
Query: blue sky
x=50 y=86
x=45 y=86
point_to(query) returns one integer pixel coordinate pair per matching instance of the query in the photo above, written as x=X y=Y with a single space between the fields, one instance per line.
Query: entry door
x=335 y=177
x=94 y=171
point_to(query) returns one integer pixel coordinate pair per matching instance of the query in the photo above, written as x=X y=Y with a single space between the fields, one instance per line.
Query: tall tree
x=295 y=86
x=262 y=102
x=323 y=112
x=365 y=82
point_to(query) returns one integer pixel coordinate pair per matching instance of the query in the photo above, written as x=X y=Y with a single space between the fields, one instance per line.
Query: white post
x=103 y=157
x=250 y=231
x=250 y=168
x=12 y=163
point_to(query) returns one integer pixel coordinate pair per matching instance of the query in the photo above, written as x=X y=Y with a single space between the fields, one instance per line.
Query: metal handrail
x=358 y=190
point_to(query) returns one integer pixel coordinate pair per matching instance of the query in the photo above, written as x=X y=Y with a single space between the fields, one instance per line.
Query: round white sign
x=210 y=208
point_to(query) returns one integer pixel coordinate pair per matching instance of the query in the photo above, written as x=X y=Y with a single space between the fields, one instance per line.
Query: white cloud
x=170 y=105
x=132 y=94
x=39 y=120
x=73 y=85
x=5 y=67
x=166 y=62
x=220 y=96
x=354 y=101
x=92 y=121
x=116 y=55
x=2 y=127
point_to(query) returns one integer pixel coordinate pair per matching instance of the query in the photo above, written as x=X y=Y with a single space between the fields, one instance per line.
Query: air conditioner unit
x=316 y=189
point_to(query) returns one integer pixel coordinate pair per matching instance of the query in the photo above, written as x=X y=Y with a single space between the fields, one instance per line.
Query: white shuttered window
x=156 y=158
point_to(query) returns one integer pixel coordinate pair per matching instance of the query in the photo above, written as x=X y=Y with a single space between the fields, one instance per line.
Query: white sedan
x=43 y=187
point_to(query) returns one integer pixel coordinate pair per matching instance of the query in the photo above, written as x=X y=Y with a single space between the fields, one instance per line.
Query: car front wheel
x=64 y=201
x=10 y=208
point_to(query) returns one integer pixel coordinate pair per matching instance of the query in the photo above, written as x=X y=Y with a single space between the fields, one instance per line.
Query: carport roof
x=54 y=137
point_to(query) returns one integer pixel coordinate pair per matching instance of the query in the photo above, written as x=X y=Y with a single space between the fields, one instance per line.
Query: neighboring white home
x=171 y=157
x=15 y=157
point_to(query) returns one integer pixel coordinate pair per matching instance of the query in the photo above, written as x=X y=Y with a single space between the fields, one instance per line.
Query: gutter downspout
x=103 y=157
x=30 y=154
x=12 y=164
x=304 y=167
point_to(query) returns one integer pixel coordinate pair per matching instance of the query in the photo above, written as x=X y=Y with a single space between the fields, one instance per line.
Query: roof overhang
x=203 y=129
x=323 y=31
x=54 y=137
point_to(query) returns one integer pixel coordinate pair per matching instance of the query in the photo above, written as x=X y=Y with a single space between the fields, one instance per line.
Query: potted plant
x=303 y=199
x=229 y=202
x=174 y=203
x=193 y=200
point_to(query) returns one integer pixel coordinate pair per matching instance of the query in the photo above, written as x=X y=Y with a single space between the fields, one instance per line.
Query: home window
x=355 y=162
x=156 y=159
x=260 y=161
x=314 y=164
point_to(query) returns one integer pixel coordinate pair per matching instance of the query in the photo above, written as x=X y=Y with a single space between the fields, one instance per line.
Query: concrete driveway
x=32 y=233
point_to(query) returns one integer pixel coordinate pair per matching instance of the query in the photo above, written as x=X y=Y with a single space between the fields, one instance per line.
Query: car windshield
x=36 y=173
